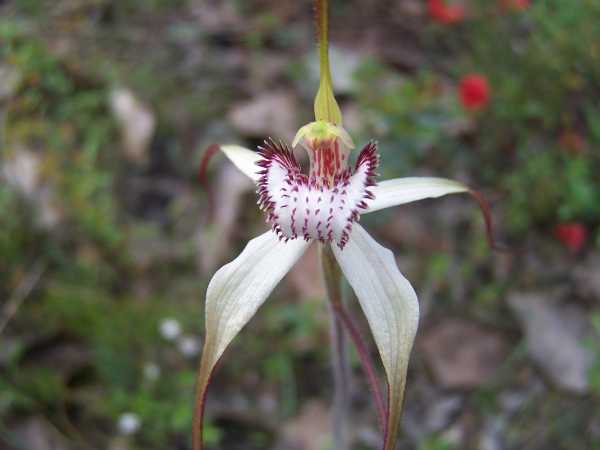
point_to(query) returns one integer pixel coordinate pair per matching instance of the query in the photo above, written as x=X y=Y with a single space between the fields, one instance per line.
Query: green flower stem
x=322 y=8
x=339 y=352
x=326 y=106
x=341 y=398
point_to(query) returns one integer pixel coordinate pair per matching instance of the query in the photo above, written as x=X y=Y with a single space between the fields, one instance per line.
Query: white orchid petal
x=392 y=309
x=405 y=190
x=244 y=159
x=234 y=295
x=240 y=287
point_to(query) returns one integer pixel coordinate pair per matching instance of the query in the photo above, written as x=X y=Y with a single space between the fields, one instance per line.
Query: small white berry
x=151 y=371
x=129 y=423
x=170 y=329
x=189 y=345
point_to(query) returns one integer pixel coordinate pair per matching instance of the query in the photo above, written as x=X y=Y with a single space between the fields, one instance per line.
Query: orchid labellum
x=321 y=207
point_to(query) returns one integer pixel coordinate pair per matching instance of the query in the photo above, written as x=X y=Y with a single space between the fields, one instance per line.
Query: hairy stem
x=341 y=375
x=367 y=365
x=339 y=354
x=332 y=272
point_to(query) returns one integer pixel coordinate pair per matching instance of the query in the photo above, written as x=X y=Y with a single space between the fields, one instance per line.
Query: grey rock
x=231 y=187
x=344 y=64
x=21 y=170
x=136 y=121
x=310 y=429
x=555 y=333
x=513 y=400
x=215 y=17
x=442 y=411
x=587 y=277
x=270 y=114
x=38 y=434
x=463 y=354
x=429 y=410
x=492 y=434
x=10 y=77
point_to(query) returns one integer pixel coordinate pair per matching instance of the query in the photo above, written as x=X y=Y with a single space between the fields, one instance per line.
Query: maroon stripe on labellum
x=325 y=206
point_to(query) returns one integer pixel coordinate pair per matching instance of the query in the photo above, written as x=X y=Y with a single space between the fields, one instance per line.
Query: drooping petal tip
x=392 y=310
x=233 y=296
x=210 y=151
x=484 y=206
x=400 y=191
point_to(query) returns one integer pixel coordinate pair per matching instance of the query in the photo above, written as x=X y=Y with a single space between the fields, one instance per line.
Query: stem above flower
x=326 y=107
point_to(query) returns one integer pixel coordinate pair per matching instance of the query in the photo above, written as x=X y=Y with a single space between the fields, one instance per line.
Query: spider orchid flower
x=322 y=207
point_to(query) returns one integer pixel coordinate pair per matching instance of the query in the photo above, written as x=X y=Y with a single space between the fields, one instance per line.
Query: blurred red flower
x=474 y=91
x=572 y=141
x=572 y=234
x=516 y=4
x=440 y=12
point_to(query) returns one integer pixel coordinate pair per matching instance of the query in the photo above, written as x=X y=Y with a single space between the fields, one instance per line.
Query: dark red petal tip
x=487 y=216
x=210 y=151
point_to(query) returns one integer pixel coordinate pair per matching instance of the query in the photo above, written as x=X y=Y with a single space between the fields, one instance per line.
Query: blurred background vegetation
x=108 y=240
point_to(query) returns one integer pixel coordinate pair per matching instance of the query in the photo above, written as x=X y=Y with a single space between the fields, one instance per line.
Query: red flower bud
x=474 y=91
x=447 y=14
x=572 y=235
